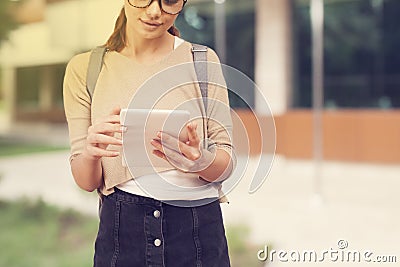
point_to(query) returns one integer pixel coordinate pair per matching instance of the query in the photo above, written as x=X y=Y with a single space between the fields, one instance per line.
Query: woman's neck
x=147 y=50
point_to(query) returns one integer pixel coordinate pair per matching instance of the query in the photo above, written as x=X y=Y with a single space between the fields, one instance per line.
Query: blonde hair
x=117 y=40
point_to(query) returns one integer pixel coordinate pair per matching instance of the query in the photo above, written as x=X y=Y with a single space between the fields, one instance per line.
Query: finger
x=160 y=154
x=103 y=140
x=100 y=152
x=156 y=144
x=177 y=159
x=160 y=147
x=174 y=162
x=106 y=128
x=111 y=119
x=190 y=151
x=170 y=141
x=171 y=155
x=115 y=119
x=113 y=116
x=192 y=133
x=116 y=110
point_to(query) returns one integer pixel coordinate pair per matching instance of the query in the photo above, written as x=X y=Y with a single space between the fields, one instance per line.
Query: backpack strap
x=200 y=66
x=94 y=68
x=92 y=74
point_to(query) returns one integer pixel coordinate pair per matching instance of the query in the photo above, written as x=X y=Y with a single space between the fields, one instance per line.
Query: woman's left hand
x=187 y=156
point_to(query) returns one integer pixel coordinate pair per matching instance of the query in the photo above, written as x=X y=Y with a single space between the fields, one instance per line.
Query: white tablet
x=142 y=126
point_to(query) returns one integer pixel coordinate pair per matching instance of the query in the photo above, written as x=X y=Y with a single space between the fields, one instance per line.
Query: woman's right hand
x=102 y=134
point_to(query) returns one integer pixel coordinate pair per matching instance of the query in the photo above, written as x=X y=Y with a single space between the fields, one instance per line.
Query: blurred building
x=34 y=60
x=268 y=40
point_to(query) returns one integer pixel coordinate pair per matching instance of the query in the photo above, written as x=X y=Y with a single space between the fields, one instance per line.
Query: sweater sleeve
x=77 y=103
x=220 y=123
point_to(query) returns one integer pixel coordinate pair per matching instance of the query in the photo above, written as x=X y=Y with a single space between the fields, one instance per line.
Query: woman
x=135 y=228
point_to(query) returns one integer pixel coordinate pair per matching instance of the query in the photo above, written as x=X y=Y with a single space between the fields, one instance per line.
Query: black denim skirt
x=137 y=231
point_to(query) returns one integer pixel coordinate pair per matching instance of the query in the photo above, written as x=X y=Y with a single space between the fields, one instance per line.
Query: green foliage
x=35 y=234
x=241 y=251
x=8 y=23
x=16 y=147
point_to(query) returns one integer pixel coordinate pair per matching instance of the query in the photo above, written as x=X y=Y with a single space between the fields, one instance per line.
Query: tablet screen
x=142 y=126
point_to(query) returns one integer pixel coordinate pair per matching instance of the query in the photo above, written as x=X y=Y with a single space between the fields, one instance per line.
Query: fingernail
x=124 y=129
x=159 y=134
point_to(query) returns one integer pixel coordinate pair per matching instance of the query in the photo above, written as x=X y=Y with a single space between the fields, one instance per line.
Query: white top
x=171 y=185
x=178 y=42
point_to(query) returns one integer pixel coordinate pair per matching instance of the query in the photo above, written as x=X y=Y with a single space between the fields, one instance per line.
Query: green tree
x=8 y=22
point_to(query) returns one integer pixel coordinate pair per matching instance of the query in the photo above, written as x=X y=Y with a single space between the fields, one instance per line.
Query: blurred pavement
x=359 y=203
x=46 y=176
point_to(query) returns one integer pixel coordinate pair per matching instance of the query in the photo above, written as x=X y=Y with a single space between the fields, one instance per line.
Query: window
x=197 y=24
x=362 y=66
x=30 y=83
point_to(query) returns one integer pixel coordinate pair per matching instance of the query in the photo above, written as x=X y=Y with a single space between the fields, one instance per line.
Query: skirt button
x=157 y=242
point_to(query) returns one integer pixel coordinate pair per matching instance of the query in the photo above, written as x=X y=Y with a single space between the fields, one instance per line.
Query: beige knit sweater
x=120 y=80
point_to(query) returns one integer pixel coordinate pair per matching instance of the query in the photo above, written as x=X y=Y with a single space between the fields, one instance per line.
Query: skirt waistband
x=137 y=199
